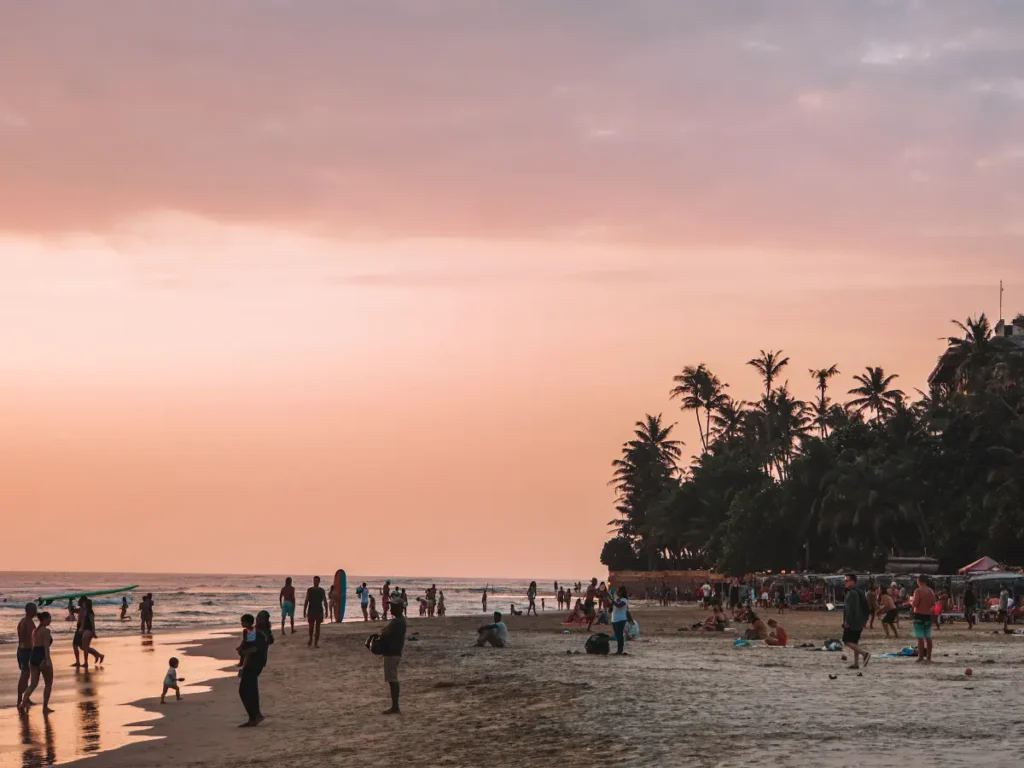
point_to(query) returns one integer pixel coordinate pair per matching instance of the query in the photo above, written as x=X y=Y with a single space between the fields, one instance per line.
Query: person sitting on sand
x=758 y=629
x=374 y=616
x=777 y=636
x=715 y=622
x=496 y=634
x=513 y=611
x=577 y=613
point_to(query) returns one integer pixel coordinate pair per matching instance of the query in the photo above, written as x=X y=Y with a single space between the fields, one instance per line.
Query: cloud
x=661 y=122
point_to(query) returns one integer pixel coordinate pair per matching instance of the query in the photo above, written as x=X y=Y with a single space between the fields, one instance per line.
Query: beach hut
x=982 y=565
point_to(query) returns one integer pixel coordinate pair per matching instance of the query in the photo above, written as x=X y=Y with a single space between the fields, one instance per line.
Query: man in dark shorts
x=588 y=603
x=887 y=607
x=287 y=601
x=314 y=609
x=25 y=629
x=393 y=637
x=855 y=616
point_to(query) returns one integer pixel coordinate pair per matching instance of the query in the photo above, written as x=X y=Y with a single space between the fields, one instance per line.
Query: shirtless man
x=314 y=609
x=385 y=599
x=431 y=599
x=287 y=601
x=25 y=629
x=887 y=610
x=921 y=604
x=588 y=603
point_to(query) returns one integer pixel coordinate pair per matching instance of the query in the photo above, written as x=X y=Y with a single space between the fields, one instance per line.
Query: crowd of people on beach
x=597 y=604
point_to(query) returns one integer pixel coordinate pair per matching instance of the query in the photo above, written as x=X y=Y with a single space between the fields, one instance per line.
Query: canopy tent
x=981 y=565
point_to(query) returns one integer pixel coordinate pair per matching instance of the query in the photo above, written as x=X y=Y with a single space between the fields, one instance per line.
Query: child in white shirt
x=171 y=681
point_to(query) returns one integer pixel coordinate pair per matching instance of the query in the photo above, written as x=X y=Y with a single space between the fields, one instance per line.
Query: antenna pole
x=1000 y=301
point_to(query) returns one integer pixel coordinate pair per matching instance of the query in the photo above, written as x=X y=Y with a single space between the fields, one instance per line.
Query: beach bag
x=599 y=644
x=375 y=645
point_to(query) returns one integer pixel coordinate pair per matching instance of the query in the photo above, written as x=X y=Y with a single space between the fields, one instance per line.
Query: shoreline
x=678 y=695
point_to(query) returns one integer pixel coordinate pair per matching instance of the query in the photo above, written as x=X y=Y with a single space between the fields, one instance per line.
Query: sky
x=385 y=285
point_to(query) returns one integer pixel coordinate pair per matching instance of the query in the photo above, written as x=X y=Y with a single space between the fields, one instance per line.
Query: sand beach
x=679 y=698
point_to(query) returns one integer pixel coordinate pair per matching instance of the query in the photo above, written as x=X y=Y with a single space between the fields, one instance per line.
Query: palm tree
x=728 y=418
x=874 y=394
x=821 y=408
x=644 y=473
x=789 y=422
x=769 y=365
x=700 y=390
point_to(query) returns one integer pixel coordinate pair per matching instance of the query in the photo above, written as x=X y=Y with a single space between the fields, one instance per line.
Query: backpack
x=599 y=644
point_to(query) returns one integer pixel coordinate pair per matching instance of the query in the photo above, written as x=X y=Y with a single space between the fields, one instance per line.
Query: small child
x=248 y=636
x=171 y=681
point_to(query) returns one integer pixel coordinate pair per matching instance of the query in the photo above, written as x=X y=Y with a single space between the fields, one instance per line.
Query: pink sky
x=384 y=285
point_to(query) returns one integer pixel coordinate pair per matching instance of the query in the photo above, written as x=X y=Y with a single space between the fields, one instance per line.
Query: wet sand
x=91 y=712
x=680 y=698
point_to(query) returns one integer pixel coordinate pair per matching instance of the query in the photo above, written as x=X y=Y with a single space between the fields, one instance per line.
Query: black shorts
x=76 y=641
x=851 y=636
x=890 y=616
x=314 y=617
x=24 y=655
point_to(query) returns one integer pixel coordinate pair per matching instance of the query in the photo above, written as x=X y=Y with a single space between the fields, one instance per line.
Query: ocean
x=204 y=601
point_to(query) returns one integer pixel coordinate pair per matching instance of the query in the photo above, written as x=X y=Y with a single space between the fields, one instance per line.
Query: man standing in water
x=25 y=629
x=921 y=604
x=484 y=600
x=431 y=599
x=855 y=616
x=314 y=609
x=287 y=601
x=393 y=637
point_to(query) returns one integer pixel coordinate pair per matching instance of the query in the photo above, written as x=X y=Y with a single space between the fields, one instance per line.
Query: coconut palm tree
x=874 y=393
x=769 y=365
x=821 y=408
x=728 y=419
x=789 y=422
x=700 y=390
x=643 y=473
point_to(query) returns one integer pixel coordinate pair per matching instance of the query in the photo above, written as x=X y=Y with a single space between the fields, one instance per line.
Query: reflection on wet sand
x=75 y=729
x=37 y=753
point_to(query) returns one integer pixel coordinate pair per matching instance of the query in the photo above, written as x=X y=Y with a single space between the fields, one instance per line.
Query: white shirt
x=171 y=678
x=502 y=631
x=620 y=609
x=706 y=589
x=364 y=595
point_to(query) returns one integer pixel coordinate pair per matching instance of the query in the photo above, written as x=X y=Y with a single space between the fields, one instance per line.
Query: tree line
x=821 y=485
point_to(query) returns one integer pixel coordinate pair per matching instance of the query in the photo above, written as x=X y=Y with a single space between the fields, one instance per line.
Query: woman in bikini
x=87 y=623
x=39 y=662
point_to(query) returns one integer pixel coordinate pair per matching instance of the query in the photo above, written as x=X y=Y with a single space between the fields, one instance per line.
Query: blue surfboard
x=340 y=589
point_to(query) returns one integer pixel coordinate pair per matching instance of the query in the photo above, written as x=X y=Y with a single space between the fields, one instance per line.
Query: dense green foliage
x=786 y=484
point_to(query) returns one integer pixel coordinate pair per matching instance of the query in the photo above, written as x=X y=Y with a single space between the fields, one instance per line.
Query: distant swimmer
x=287 y=602
x=26 y=627
x=314 y=609
x=124 y=607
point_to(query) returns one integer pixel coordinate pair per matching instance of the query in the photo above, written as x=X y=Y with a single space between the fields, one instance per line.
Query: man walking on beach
x=855 y=616
x=287 y=601
x=314 y=610
x=26 y=627
x=393 y=637
x=921 y=604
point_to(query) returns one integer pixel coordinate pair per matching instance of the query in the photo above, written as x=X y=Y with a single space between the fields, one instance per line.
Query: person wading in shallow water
x=393 y=637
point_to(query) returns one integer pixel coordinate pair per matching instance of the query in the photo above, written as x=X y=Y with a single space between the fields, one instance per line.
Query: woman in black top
x=254 y=660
